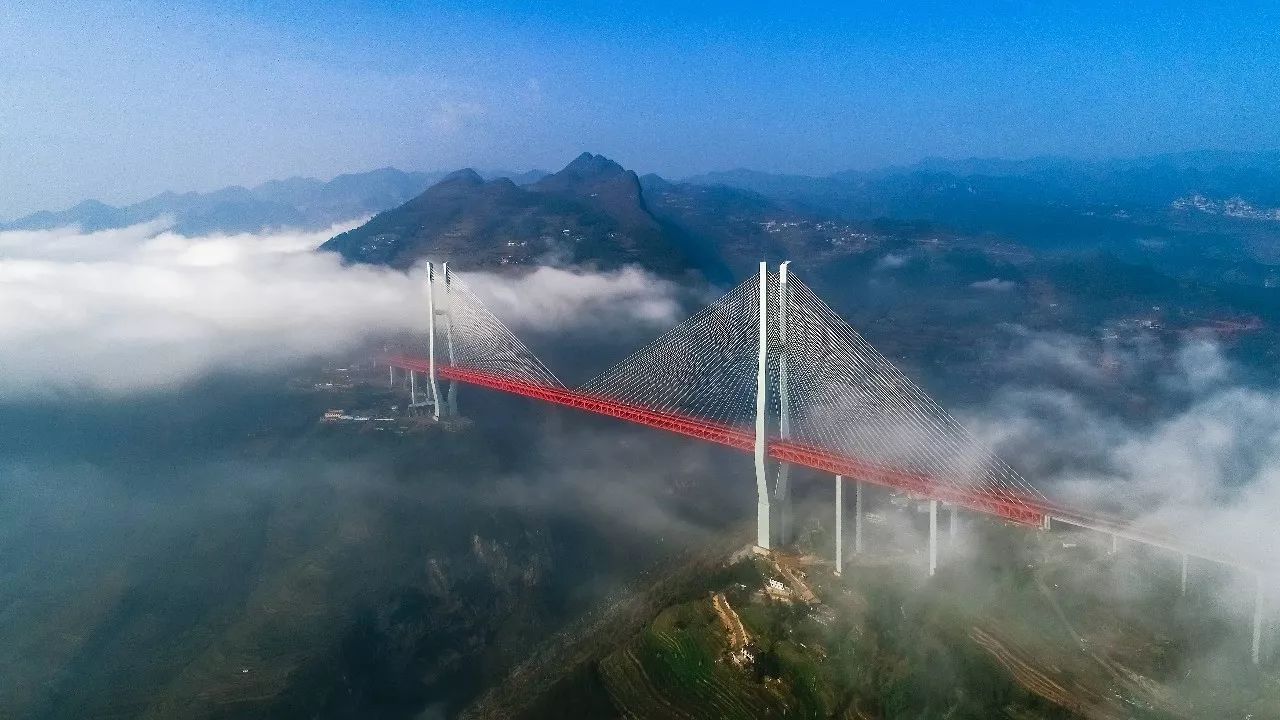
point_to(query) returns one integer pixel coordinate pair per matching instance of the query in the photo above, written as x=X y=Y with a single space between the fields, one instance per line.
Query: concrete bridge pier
x=783 y=518
x=933 y=537
x=1184 y=574
x=857 y=517
x=764 y=513
x=431 y=342
x=451 y=398
x=782 y=486
x=839 y=524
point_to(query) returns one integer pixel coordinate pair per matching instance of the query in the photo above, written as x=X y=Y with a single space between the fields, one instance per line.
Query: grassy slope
x=1034 y=633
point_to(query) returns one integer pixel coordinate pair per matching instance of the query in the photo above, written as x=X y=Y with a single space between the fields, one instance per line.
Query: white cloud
x=143 y=307
x=891 y=261
x=1114 y=360
x=1201 y=367
x=1209 y=475
x=552 y=298
x=1206 y=473
x=994 y=285
x=1042 y=353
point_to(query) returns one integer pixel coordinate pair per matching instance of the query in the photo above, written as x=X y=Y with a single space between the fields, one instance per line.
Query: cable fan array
x=705 y=367
x=846 y=397
x=477 y=340
x=840 y=396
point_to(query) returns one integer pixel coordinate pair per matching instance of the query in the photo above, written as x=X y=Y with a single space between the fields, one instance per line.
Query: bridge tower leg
x=933 y=537
x=764 y=536
x=782 y=489
x=857 y=517
x=431 y=342
x=1257 y=623
x=952 y=527
x=839 y=524
x=451 y=402
x=391 y=376
x=413 y=389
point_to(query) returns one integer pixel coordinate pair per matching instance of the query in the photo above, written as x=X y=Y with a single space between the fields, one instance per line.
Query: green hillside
x=1044 y=625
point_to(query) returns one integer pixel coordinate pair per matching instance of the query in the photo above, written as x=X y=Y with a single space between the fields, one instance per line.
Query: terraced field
x=678 y=669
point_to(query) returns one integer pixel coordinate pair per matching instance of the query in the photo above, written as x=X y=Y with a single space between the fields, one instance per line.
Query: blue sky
x=118 y=101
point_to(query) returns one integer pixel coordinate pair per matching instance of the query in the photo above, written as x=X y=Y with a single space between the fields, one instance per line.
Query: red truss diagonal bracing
x=1020 y=510
x=690 y=427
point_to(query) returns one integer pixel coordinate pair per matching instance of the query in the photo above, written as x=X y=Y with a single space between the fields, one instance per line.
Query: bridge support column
x=764 y=535
x=839 y=524
x=782 y=490
x=933 y=537
x=391 y=376
x=952 y=528
x=1257 y=623
x=857 y=517
x=451 y=401
x=431 y=342
x=413 y=389
x=1184 y=574
x=1115 y=544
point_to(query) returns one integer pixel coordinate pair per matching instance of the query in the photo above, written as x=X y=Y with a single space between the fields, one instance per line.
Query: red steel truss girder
x=1012 y=508
x=1007 y=506
x=692 y=427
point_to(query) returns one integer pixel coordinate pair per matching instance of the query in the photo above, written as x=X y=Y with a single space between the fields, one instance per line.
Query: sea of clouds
x=143 y=308
x=1203 y=468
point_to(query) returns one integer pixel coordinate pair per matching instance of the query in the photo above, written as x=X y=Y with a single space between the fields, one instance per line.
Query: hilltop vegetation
x=1020 y=624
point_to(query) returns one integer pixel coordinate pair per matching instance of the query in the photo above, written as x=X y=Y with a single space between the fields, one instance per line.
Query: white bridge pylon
x=435 y=309
x=773 y=506
x=820 y=385
x=473 y=337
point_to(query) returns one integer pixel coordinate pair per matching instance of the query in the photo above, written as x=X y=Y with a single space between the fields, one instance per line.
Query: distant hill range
x=995 y=194
x=304 y=203
x=1153 y=180
x=596 y=213
x=593 y=213
x=961 y=194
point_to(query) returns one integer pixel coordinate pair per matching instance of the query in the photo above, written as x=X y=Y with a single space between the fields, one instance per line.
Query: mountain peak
x=603 y=184
x=464 y=176
x=585 y=175
x=91 y=205
x=587 y=165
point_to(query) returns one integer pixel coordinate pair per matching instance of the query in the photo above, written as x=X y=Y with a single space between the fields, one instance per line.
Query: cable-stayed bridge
x=770 y=370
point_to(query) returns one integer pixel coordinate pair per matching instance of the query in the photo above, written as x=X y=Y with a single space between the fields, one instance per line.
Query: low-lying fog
x=178 y=530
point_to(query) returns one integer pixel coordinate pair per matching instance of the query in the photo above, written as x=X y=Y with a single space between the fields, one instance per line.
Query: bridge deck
x=1022 y=509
